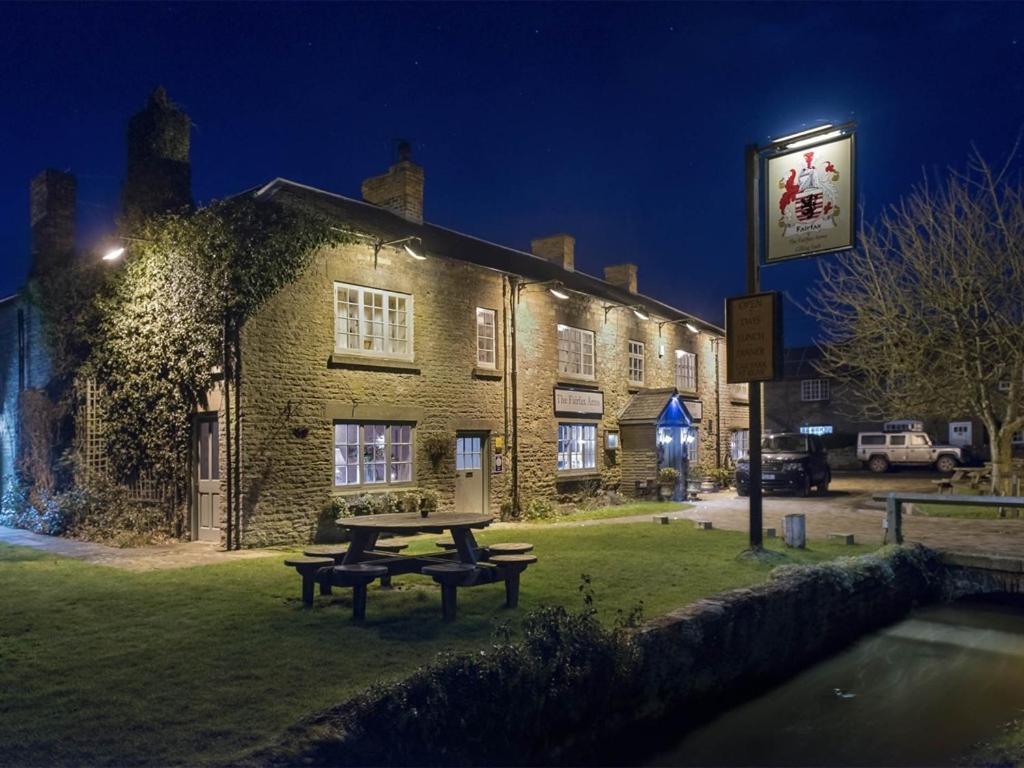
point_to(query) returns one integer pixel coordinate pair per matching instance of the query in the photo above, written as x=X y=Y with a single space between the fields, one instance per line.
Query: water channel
x=922 y=692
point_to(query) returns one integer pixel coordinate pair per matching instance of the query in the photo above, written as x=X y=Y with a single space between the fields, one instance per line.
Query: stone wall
x=294 y=386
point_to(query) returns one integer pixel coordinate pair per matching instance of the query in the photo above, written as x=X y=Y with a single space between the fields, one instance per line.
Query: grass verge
x=622 y=510
x=100 y=666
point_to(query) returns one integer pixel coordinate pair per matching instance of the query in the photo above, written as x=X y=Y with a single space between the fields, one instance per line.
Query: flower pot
x=666 y=491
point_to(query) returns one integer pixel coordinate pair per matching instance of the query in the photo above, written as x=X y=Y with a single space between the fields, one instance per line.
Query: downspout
x=718 y=406
x=228 y=484
x=505 y=366
x=237 y=338
x=514 y=351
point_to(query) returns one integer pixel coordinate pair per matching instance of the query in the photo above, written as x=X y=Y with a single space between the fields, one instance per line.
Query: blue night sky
x=623 y=125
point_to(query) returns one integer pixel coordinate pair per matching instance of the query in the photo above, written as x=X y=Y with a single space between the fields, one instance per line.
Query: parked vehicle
x=880 y=450
x=790 y=461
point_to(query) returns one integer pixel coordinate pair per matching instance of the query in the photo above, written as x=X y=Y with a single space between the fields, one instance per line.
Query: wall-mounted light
x=114 y=253
x=640 y=314
x=798 y=134
x=611 y=440
x=814 y=139
x=558 y=294
x=412 y=244
x=412 y=252
x=692 y=328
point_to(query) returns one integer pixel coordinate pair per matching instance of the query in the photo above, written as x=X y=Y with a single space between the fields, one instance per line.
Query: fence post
x=894 y=518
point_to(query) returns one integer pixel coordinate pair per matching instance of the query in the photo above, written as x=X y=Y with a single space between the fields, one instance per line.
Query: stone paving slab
x=158 y=557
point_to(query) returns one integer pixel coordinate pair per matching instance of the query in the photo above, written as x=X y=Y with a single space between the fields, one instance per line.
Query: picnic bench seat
x=945 y=485
x=392 y=548
x=357 y=576
x=337 y=554
x=308 y=568
x=450 y=576
x=510 y=567
x=509 y=548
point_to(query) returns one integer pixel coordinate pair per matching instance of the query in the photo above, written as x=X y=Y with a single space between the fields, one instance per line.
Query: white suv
x=880 y=450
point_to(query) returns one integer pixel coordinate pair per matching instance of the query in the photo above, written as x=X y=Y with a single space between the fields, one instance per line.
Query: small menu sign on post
x=753 y=337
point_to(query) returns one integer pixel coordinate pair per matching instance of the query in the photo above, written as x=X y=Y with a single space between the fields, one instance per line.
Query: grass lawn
x=622 y=510
x=104 y=666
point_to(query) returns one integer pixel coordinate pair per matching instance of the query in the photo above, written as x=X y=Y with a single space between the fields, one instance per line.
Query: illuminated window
x=636 y=362
x=816 y=429
x=485 y=338
x=372 y=454
x=686 y=371
x=576 y=352
x=372 y=322
x=814 y=390
x=577 y=447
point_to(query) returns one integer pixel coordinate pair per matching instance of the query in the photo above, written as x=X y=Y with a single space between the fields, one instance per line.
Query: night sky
x=622 y=125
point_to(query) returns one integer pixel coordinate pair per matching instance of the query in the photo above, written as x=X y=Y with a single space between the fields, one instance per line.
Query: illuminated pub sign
x=808 y=201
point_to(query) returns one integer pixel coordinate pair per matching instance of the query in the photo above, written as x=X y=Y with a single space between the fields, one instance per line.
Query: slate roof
x=439 y=241
x=646 y=406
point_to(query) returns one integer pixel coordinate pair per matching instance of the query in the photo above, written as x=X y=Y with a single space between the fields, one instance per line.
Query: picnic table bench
x=894 y=506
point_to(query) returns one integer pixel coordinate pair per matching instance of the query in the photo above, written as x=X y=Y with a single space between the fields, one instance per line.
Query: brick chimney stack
x=558 y=249
x=52 y=217
x=158 y=177
x=400 y=190
x=621 y=276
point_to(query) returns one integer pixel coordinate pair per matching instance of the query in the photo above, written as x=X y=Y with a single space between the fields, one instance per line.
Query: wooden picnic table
x=365 y=531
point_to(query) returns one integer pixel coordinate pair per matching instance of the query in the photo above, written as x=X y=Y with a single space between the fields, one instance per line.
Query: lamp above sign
x=579 y=402
x=808 y=201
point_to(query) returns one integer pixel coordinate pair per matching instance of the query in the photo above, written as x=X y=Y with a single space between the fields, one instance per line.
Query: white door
x=206 y=516
x=960 y=433
x=471 y=473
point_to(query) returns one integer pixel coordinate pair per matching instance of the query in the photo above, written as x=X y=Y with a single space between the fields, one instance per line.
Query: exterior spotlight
x=692 y=328
x=413 y=253
x=558 y=294
x=814 y=139
x=114 y=253
x=798 y=134
x=640 y=315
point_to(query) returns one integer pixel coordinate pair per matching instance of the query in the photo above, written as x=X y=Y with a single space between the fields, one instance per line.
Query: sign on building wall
x=578 y=402
x=753 y=337
x=808 y=201
x=695 y=408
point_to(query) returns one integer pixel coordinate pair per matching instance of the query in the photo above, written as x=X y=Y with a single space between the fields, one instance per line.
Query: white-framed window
x=576 y=351
x=739 y=444
x=814 y=390
x=1017 y=438
x=577 y=447
x=692 y=437
x=372 y=454
x=636 y=362
x=486 y=338
x=368 y=321
x=686 y=371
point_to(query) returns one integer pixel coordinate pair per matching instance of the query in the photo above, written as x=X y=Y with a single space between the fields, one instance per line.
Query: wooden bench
x=357 y=576
x=308 y=568
x=510 y=567
x=450 y=576
x=392 y=548
x=509 y=548
x=945 y=485
x=337 y=554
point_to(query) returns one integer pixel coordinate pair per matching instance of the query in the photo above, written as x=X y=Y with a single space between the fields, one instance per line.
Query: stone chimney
x=558 y=249
x=158 y=177
x=400 y=190
x=621 y=276
x=52 y=217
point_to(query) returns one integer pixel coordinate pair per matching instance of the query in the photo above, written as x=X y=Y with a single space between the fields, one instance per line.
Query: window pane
x=485 y=337
x=346 y=454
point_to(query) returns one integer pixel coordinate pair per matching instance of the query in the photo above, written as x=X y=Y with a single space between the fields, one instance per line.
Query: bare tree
x=926 y=316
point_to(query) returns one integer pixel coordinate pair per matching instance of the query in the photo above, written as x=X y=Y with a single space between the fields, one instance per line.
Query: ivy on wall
x=167 y=324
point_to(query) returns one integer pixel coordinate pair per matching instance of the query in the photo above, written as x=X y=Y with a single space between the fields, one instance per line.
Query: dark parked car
x=789 y=462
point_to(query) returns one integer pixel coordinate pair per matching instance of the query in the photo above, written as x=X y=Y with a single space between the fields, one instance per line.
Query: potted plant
x=667 y=479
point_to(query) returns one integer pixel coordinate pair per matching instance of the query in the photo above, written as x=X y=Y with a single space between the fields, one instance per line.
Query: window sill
x=574 y=381
x=346 y=491
x=487 y=373
x=568 y=477
x=359 y=363
x=634 y=388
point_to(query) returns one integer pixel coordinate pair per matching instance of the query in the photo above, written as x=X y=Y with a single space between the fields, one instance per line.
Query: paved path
x=848 y=508
x=155 y=558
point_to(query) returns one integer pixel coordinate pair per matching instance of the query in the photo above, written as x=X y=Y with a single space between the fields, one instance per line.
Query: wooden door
x=206 y=458
x=471 y=473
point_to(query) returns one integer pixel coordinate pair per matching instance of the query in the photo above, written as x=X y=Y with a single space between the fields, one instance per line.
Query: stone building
x=516 y=364
x=416 y=357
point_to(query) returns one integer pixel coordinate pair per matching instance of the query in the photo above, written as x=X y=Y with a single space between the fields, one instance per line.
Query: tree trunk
x=1002 y=466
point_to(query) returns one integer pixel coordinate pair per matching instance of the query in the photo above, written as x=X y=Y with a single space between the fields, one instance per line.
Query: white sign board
x=578 y=402
x=808 y=201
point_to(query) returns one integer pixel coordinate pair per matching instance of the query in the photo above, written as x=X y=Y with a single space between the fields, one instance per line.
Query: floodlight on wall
x=412 y=245
x=814 y=139
x=114 y=253
x=554 y=287
x=640 y=314
x=558 y=294
x=692 y=328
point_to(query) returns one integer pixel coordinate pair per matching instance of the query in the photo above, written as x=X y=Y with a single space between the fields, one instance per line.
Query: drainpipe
x=514 y=352
x=718 y=406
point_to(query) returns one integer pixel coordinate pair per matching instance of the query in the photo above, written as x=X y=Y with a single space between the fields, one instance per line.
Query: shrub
x=668 y=476
x=538 y=509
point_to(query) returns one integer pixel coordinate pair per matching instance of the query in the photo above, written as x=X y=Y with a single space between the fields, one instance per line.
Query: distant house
x=806 y=401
